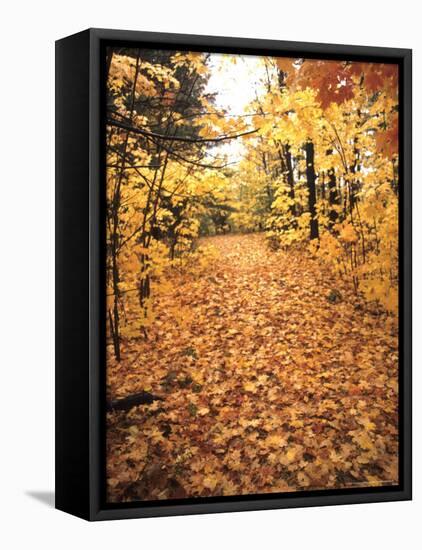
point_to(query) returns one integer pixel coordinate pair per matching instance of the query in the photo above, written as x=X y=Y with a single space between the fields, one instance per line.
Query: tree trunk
x=115 y=234
x=310 y=177
x=115 y=336
x=354 y=185
x=115 y=318
x=290 y=178
x=333 y=197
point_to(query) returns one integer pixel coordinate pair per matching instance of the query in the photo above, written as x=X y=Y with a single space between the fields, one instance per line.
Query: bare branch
x=154 y=136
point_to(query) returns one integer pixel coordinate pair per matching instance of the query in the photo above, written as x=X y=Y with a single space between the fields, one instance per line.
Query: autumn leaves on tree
x=229 y=231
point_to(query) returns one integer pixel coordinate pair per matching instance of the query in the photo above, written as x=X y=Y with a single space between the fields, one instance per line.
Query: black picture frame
x=80 y=331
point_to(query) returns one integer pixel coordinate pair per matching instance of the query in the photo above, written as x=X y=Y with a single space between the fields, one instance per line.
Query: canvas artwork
x=251 y=274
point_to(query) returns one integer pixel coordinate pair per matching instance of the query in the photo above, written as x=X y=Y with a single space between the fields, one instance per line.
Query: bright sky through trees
x=235 y=81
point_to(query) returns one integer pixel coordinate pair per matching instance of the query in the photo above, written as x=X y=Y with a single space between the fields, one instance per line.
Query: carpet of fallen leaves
x=274 y=378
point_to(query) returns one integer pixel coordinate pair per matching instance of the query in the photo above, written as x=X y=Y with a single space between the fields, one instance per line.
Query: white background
x=28 y=31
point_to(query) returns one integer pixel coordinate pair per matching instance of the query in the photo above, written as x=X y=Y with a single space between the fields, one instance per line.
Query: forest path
x=270 y=383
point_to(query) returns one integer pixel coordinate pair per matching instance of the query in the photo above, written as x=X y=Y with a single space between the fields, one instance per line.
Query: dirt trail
x=274 y=379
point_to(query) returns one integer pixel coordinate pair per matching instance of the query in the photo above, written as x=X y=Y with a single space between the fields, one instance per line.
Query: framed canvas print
x=233 y=274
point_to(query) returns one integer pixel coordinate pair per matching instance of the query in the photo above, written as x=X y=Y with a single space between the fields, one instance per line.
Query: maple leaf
x=276 y=441
x=250 y=386
x=289 y=457
x=210 y=482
